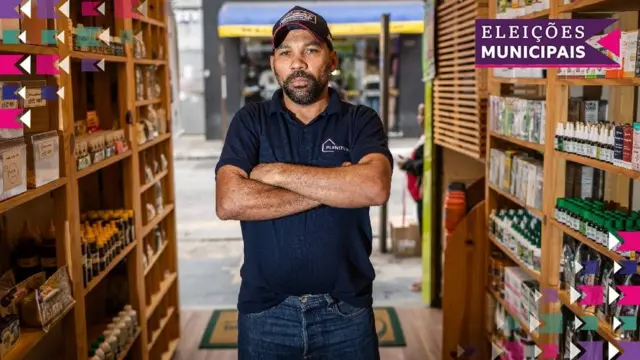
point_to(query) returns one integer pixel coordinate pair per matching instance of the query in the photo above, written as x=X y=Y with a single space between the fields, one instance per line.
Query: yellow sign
x=348 y=29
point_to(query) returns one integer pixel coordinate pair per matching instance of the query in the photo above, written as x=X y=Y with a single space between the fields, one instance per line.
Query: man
x=300 y=172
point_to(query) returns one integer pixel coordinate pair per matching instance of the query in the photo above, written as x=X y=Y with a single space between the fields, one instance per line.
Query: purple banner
x=544 y=43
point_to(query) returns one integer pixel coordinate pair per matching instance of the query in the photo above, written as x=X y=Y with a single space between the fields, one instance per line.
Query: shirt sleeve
x=370 y=136
x=241 y=143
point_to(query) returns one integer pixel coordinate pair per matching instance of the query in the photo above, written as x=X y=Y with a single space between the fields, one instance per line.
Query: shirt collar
x=334 y=107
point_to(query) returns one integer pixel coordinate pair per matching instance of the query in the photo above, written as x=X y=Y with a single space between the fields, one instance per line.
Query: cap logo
x=298 y=15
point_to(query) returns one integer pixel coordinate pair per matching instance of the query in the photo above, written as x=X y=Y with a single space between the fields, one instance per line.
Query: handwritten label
x=45 y=149
x=11 y=169
x=34 y=98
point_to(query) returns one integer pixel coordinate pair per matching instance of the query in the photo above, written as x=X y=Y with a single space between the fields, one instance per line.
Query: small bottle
x=48 y=258
x=611 y=146
x=93 y=356
x=104 y=346
x=133 y=315
x=115 y=333
x=124 y=317
x=568 y=139
x=558 y=140
x=112 y=341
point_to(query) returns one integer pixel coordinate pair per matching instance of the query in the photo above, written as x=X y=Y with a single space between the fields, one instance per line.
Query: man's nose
x=298 y=63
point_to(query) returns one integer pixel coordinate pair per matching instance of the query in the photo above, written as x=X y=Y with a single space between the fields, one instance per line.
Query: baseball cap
x=301 y=18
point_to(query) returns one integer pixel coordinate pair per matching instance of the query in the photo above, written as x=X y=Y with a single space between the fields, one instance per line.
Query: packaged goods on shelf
x=602 y=275
x=89 y=39
x=95 y=147
x=43 y=159
x=515 y=73
x=9 y=314
x=511 y=9
x=520 y=232
x=578 y=338
x=117 y=336
x=610 y=143
x=105 y=234
x=627 y=59
x=517 y=174
x=497 y=263
x=520 y=118
x=34 y=252
x=595 y=220
x=520 y=291
x=511 y=338
x=13 y=154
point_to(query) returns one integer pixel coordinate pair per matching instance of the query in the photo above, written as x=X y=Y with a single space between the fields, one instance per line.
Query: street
x=210 y=250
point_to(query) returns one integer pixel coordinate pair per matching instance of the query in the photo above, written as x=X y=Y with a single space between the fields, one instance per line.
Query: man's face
x=302 y=65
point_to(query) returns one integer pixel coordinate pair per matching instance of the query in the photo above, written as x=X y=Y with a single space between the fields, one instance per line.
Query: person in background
x=300 y=172
x=413 y=167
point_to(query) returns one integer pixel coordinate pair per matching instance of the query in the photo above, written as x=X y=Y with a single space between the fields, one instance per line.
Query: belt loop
x=330 y=299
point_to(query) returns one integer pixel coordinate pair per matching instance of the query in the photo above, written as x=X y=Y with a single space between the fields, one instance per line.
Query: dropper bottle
x=559 y=138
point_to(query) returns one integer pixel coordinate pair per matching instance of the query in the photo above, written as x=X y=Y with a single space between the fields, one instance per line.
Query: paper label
x=11 y=169
x=45 y=149
x=34 y=98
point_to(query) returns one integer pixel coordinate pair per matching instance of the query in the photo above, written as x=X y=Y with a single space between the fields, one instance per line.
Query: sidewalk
x=196 y=147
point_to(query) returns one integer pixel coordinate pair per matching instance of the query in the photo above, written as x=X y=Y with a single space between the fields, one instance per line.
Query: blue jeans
x=314 y=327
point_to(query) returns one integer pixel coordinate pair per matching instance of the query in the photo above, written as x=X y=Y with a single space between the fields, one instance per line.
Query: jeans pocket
x=347 y=310
x=260 y=314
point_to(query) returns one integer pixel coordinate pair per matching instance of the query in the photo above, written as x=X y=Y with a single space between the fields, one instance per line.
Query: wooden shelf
x=514 y=314
x=609 y=6
x=585 y=240
x=512 y=256
x=125 y=351
x=29 y=195
x=153 y=142
x=163 y=324
x=111 y=94
x=536 y=15
x=516 y=141
x=523 y=81
x=156 y=62
x=30 y=337
x=604 y=328
x=168 y=355
x=96 y=56
x=96 y=280
x=156 y=298
x=599 y=82
x=148 y=102
x=156 y=179
x=516 y=201
x=599 y=165
x=155 y=258
x=157 y=219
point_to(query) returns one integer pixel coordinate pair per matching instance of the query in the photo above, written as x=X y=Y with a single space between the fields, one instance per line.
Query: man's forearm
x=344 y=187
x=253 y=200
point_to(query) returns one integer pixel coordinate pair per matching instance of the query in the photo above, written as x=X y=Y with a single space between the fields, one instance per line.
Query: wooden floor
x=422 y=330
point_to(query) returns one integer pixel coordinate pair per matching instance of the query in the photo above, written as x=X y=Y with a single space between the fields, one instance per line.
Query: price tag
x=45 y=149
x=7 y=104
x=34 y=98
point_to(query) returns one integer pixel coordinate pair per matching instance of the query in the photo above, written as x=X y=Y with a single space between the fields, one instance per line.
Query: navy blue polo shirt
x=325 y=250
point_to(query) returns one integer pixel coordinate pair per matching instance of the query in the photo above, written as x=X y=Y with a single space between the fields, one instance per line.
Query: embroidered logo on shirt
x=330 y=146
x=298 y=15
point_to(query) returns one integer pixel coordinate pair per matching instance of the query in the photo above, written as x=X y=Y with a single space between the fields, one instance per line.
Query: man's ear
x=271 y=58
x=334 y=61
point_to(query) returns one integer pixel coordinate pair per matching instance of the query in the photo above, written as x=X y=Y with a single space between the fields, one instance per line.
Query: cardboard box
x=405 y=237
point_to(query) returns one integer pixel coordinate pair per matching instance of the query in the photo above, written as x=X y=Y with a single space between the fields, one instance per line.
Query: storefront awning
x=345 y=18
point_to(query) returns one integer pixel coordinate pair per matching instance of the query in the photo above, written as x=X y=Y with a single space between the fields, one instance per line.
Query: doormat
x=222 y=330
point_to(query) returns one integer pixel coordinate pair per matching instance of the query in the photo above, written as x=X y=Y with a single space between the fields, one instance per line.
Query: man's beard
x=308 y=94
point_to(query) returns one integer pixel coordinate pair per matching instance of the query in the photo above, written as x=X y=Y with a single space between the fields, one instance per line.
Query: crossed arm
x=276 y=190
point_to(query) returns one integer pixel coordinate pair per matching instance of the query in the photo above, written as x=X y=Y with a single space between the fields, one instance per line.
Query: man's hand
x=266 y=173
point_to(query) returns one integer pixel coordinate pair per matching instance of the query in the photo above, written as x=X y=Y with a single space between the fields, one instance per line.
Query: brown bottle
x=48 y=258
x=26 y=257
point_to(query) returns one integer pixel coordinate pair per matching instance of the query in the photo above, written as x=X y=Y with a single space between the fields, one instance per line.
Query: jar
x=133 y=314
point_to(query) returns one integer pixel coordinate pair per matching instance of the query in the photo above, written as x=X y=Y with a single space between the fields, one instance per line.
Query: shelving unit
x=555 y=91
x=147 y=281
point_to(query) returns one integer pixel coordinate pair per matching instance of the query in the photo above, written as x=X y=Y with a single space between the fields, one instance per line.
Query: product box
x=405 y=237
x=635 y=156
x=628 y=50
x=9 y=315
x=591 y=112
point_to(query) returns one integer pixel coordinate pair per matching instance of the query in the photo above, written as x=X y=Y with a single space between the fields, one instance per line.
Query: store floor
x=422 y=329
